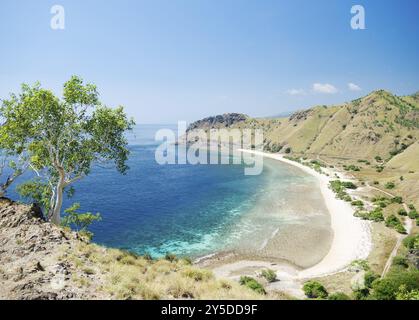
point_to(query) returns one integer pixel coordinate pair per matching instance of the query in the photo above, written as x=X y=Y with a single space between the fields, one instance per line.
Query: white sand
x=351 y=235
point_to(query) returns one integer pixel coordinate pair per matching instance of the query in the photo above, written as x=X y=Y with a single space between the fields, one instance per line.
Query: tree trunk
x=56 y=212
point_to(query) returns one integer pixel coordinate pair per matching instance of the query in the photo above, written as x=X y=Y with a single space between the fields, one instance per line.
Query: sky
x=182 y=60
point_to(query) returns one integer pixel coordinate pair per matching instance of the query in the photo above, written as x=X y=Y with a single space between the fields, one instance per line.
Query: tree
x=67 y=136
x=14 y=159
x=80 y=220
x=315 y=290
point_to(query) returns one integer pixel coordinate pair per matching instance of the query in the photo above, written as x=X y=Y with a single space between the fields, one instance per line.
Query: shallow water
x=198 y=210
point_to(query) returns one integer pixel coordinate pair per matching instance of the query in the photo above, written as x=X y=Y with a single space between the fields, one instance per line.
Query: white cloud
x=296 y=92
x=324 y=88
x=354 y=87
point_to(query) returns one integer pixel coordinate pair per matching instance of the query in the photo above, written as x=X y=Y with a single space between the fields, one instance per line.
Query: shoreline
x=351 y=236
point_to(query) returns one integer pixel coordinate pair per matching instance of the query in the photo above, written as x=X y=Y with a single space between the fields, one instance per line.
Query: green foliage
x=413 y=214
x=397 y=199
x=170 y=257
x=36 y=191
x=400 y=262
x=357 y=203
x=315 y=290
x=411 y=242
x=369 y=278
x=351 y=168
x=393 y=222
x=402 y=213
x=375 y=215
x=361 y=294
x=80 y=221
x=252 y=284
x=269 y=275
x=388 y=288
x=338 y=296
x=404 y=294
x=360 y=264
x=64 y=137
x=390 y=185
x=288 y=150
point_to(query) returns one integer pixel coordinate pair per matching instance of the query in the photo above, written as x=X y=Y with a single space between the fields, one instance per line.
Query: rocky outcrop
x=31 y=263
x=216 y=122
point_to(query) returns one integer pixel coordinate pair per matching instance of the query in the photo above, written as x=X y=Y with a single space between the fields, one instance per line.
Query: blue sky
x=182 y=60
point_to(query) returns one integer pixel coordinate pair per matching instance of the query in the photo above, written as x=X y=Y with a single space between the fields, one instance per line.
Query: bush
x=413 y=214
x=357 y=203
x=411 y=242
x=393 y=222
x=387 y=288
x=402 y=212
x=398 y=200
x=376 y=215
x=269 y=275
x=197 y=274
x=252 y=284
x=400 y=262
x=361 y=294
x=369 y=278
x=338 y=296
x=390 y=185
x=170 y=257
x=315 y=290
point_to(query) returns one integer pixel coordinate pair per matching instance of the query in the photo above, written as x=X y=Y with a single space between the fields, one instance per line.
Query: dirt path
x=400 y=237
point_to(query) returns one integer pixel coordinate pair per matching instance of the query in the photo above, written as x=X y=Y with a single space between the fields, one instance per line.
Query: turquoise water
x=185 y=209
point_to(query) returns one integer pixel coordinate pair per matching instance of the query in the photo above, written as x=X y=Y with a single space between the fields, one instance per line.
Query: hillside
x=380 y=129
x=39 y=260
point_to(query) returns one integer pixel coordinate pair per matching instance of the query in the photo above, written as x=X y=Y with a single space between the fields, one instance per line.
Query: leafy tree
x=14 y=159
x=67 y=136
x=79 y=220
x=387 y=288
x=404 y=294
x=315 y=290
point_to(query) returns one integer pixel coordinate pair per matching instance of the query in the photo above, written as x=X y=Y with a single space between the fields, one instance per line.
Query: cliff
x=39 y=260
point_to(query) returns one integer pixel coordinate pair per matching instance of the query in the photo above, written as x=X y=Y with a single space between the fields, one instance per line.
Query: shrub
x=390 y=185
x=338 y=296
x=393 y=222
x=411 y=242
x=369 y=278
x=288 y=150
x=357 y=203
x=400 y=262
x=376 y=215
x=315 y=290
x=404 y=294
x=387 y=288
x=361 y=294
x=413 y=214
x=398 y=200
x=402 y=212
x=170 y=257
x=269 y=275
x=411 y=207
x=252 y=284
x=376 y=183
x=378 y=158
x=197 y=274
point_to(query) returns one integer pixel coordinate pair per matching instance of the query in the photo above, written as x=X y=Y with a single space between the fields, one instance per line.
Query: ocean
x=195 y=210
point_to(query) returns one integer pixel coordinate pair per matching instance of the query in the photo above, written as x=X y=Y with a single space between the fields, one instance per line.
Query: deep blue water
x=183 y=209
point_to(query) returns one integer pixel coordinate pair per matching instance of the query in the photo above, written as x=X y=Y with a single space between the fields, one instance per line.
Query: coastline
x=351 y=237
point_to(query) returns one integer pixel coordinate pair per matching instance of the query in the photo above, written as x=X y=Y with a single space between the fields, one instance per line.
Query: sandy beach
x=351 y=238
